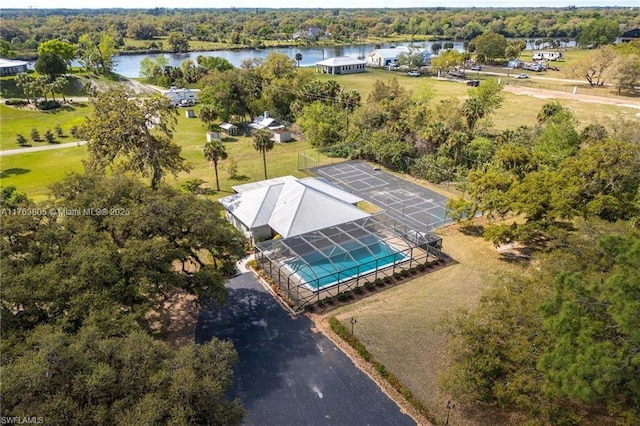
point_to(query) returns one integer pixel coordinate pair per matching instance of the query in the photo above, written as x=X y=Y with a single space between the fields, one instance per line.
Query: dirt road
x=552 y=94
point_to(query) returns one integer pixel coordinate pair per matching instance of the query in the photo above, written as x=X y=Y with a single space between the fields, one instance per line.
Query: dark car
x=474 y=83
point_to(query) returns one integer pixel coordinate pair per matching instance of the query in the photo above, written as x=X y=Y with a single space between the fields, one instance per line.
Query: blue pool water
x=344 y=262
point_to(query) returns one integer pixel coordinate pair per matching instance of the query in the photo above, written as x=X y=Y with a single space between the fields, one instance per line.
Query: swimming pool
x=343 y=262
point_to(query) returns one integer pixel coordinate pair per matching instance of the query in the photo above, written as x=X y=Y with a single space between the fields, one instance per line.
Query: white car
x=523 y=75
x=413 y=73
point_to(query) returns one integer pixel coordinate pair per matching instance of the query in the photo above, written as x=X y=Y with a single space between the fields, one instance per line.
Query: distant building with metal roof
x=341 y=65
x=11 y=67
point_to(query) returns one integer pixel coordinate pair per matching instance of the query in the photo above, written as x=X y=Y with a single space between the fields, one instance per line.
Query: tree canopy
x=82 y=289
x=135 y=135
x=562 y=342
x=60 y=48
x=490 y=45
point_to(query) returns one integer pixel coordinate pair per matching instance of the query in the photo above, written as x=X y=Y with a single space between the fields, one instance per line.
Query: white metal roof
x=11 y=63
x=301 y=209
x=252 y=208
x=262 y=183
x=329 y=189
x=392 y=53
x=292 y=207
x=227 y=126
x=340 y=61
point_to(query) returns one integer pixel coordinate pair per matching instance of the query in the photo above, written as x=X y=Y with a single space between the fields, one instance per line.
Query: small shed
x=232 y=130
x=213 y=136
x=282 y=135
x=189 y=113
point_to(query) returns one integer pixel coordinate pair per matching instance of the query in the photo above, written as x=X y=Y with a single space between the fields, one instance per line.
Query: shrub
x=75 y=132
x=329 y=300
x=21 y=140
x=404 y=273
x=369 y=285
x=358 y=290
x=320 y=303
x=47 y=105
x=379 y=282
x=386 y=280
x=15 y=102
x=59 y=131
x=48 y=136
x=309 y=308
x=253 y=264
x=35 y=135
x=397 y=275
x=346 y=335
x=341 y=297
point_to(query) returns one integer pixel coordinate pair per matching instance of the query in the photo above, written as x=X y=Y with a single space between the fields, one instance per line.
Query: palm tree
x=215 y=151
x=208 y=113
x=298 y=58
x=262 y=142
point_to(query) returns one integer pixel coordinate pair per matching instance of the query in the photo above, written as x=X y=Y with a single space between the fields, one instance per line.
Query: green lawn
x=516 y=110
x=191 y=136
x=401 y=326
x=33 y=172
x=21 y=120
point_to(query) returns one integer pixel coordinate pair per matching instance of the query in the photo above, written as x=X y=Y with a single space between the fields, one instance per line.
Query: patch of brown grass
x=401 y=326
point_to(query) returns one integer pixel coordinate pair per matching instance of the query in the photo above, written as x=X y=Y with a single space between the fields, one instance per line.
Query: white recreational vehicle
x=182 y=97
x=547 y=56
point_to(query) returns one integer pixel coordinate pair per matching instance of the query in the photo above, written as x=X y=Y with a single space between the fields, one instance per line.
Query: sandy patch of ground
x=551 y=94
x=178 y=318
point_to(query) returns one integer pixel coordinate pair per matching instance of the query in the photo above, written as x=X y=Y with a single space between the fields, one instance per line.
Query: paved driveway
x=288 y=375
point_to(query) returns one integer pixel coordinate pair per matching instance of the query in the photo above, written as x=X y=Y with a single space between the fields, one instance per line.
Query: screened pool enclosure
x=315 y=265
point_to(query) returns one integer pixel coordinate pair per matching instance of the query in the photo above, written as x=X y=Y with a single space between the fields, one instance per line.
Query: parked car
x=474 y=83
x=413 y=73
x=523 y=75
x=476 y=68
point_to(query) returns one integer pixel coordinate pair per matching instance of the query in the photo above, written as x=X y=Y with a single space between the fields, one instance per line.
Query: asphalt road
x=25 y=150
x=287 y=374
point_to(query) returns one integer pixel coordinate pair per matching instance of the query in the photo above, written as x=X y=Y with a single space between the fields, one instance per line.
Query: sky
x=147 y=4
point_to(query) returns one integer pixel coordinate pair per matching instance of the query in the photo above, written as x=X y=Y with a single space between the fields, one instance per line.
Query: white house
x=312 y=33
x=266 y=122
x=341 y=65
x=11 y=67
x=288 y=206
x=389 y=56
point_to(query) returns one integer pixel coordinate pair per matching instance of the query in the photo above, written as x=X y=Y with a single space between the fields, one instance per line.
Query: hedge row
x=353 y=341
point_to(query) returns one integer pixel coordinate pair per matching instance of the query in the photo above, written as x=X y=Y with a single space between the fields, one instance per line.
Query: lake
x=129 y=65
